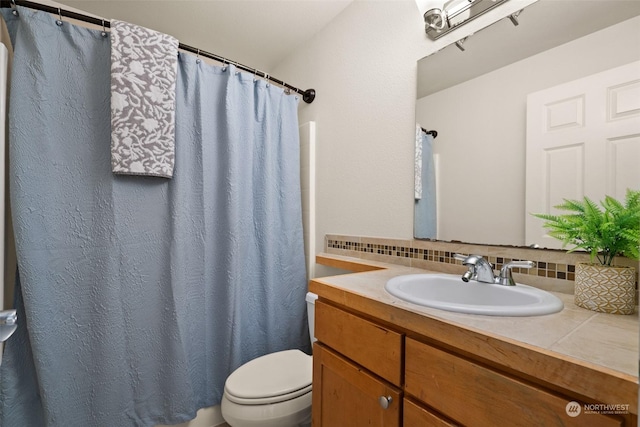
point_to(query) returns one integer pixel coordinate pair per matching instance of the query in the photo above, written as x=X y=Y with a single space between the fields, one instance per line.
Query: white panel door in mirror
x=623 y=157
x=583 y=139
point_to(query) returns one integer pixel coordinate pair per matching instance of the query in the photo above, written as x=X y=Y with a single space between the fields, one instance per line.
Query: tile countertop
x=582 y=342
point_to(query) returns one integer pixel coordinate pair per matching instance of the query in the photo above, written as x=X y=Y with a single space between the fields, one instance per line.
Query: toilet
x=273 y=390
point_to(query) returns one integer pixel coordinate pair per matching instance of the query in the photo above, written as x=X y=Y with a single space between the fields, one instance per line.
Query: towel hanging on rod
x=307 y=95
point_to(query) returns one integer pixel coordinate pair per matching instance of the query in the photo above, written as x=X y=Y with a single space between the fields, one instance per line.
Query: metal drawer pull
x=385 y=401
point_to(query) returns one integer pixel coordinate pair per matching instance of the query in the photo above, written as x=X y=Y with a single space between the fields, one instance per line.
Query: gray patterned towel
x=143 y=81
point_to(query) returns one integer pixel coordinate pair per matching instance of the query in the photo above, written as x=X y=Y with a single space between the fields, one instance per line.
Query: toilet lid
x=273 y=377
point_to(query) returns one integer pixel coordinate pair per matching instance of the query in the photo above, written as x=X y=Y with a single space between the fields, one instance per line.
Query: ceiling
x=542 y=26
x=261 y=33
x=256 y=33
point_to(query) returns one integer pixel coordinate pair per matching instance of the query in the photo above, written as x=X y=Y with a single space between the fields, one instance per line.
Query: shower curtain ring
x=266 y=77
x=14 y=10
x=59 y=20
x=104 y=29
x=198 y=57
x=224 y=64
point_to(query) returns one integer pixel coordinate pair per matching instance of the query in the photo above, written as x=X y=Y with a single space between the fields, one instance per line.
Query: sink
x=449 y=292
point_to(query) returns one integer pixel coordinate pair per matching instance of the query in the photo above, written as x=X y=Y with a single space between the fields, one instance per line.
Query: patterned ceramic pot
x=605 y=289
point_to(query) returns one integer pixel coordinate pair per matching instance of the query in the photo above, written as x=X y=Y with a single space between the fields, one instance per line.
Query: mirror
x=476 y=100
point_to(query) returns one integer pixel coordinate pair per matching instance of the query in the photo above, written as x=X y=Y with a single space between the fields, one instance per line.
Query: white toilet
x=273 y=390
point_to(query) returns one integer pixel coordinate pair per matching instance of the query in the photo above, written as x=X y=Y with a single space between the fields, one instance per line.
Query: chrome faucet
x=479 y=268
x=482 y=271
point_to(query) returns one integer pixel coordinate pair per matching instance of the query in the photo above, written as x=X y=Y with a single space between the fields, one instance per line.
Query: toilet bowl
x=273 y=390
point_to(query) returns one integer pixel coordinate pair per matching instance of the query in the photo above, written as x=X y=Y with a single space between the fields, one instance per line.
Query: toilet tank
x=311 y=300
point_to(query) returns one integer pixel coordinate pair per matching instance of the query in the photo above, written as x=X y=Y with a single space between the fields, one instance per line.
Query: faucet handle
x=460 y=257
x=471 y=259
x=520 y=264
x=506 y=278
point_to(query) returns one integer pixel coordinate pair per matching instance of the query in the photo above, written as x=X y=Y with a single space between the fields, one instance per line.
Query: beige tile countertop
x=597 y=351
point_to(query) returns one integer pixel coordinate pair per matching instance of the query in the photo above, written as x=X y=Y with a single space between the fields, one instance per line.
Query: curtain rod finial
x=309 y=95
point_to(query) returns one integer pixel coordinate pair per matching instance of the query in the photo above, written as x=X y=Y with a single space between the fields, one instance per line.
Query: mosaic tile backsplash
x=554 y=270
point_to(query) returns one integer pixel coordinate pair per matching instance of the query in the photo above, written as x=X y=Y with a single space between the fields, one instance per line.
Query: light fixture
x=459 y=43
x=514 y=18
x=443 y=16
x=433 y=14
x=434 y=19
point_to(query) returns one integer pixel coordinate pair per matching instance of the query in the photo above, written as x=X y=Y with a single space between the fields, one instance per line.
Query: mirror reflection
x=476 y=100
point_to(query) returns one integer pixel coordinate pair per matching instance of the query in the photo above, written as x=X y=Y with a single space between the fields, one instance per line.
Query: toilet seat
x=290 y=413
x=273 y=378
x=267 y=400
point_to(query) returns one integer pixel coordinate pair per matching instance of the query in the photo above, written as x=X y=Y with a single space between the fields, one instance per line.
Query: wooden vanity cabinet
x=475 y=395
x=416 y=415
x=346 y=395
x=371 y=346
x=367 y=374
x=357 y=371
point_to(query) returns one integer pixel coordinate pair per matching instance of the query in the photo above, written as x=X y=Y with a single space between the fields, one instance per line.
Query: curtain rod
x=307 y=95
x=433 y=133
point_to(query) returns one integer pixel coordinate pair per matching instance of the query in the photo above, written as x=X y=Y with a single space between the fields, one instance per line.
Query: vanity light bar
x=459 y=12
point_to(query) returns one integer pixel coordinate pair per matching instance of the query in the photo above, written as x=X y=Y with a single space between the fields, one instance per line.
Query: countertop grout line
x=574 y=330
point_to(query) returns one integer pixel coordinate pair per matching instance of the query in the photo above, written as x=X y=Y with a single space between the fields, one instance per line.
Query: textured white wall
x=363 y=67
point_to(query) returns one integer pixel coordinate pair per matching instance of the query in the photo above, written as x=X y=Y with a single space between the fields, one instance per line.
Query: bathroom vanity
x=380 y=361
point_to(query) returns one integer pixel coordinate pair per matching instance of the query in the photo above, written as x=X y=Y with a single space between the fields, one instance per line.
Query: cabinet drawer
x=415 y=415
x=474 y=395
x=374 y=347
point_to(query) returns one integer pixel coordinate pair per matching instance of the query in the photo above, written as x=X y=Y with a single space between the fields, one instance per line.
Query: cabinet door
x=346 y=395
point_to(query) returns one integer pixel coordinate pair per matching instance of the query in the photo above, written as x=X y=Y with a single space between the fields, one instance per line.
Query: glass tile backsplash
x=554 y=270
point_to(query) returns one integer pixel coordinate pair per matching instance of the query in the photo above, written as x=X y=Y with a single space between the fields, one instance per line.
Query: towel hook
x=59 y=20
x=198 y=57
x=14 y=10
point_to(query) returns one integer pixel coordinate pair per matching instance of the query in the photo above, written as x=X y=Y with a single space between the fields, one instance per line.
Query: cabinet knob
x=385 y=401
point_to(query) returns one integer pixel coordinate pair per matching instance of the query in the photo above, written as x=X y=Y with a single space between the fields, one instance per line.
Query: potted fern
x=604 y=231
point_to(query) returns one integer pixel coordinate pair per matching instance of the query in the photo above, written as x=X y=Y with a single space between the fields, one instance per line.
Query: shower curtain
x=425 y=209
x=137 y=296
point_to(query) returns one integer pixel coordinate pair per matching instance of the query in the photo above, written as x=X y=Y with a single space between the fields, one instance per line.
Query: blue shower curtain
x=425 y=209
x=137 y=296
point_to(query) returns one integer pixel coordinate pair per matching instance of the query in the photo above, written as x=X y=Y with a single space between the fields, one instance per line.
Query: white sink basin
x=449 y=292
